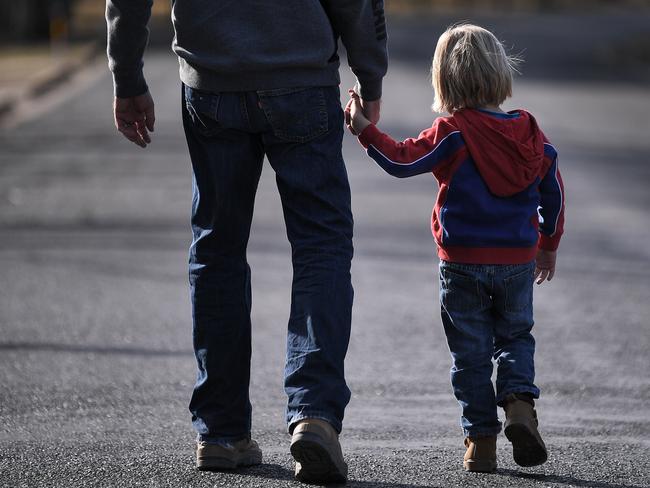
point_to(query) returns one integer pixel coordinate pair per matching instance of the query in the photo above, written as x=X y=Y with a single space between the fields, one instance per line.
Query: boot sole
x=480 y=466
x=527 y=450
x=219 y=463
x=317 y=465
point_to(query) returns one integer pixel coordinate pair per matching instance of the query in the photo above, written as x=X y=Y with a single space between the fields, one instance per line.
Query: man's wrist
x=128 y=85
x=369 y=90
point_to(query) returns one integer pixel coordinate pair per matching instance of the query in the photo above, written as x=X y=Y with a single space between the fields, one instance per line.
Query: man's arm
x=127 y=38
x=128 y=34
x=362 y=27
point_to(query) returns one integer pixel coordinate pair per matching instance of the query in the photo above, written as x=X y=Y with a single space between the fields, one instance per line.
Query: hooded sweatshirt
x=500 y=197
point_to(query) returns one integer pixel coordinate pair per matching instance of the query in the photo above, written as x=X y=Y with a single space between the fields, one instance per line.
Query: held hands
x=371 y=109
x=544 y=266
x=135 y=117
x=359 y=114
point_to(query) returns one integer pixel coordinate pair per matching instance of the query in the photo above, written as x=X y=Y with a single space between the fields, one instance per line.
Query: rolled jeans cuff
x=501 y=397
x=478 y=433
x=337 y=424
x=221 y=439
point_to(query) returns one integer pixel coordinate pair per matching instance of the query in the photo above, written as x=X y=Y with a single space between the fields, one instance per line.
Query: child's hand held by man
x=355 y=119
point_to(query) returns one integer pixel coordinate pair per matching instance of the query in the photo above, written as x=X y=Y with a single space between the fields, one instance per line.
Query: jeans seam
x=244 y=109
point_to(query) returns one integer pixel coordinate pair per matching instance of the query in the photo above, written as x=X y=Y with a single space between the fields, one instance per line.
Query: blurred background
x=96 y=362
x=46 y=40
x=38 y=21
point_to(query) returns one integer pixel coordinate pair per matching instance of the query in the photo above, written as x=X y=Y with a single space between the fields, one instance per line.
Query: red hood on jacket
x=508 y=151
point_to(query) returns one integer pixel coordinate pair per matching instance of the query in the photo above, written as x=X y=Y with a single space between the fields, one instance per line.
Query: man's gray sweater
x=241 y=45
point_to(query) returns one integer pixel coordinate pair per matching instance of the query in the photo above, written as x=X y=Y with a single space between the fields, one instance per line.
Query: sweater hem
x=487 y=255
x=234 y=81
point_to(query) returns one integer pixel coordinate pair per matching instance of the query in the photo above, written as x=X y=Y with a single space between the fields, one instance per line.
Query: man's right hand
x=135 y=117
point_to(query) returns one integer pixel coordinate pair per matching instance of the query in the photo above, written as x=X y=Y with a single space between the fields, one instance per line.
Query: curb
x=48 y=81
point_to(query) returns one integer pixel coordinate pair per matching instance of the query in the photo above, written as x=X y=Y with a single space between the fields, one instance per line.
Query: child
x=497 y=223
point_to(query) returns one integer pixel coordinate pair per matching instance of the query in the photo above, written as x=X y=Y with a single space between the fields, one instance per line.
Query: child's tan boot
x=528 y=448
x=481 y=454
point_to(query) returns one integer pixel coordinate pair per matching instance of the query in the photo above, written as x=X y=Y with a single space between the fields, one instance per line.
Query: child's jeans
x=487 y=312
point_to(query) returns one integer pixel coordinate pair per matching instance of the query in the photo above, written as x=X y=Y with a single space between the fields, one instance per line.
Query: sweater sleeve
x=362 y=27
x=127 y=38
x=426 y=153
x=551 y=207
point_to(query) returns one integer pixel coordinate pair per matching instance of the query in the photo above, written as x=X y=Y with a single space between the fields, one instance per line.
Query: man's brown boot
x=227 y=455
x=528 y=448
x=481 y=454
x=316 y=449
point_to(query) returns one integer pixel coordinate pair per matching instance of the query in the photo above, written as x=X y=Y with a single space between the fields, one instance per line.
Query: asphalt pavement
x=96 y=366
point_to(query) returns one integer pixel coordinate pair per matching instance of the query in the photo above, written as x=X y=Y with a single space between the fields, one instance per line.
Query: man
x=261 y=78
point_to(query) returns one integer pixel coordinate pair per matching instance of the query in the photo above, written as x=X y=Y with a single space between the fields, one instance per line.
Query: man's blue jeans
x=487 y=312
x=300 y=130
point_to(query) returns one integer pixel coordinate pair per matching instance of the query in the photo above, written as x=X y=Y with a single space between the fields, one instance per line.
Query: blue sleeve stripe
x=423 y=164
x=549 y=150
x=553 y=152
x=559 y=192
x=556 y=188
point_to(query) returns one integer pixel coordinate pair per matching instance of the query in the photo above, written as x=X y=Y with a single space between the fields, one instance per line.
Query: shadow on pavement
x=567 y=480
x=90 y=349
x=278 y=472
x=385 y=484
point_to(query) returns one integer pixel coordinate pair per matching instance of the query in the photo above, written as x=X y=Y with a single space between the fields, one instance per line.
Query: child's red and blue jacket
x=501 y=195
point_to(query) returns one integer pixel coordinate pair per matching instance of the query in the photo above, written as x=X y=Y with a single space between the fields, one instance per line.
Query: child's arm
x=410 y=157
x=551 y=212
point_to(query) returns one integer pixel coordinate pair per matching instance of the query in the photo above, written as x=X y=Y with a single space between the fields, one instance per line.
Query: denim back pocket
x=459 y=292
x=519 y=291
x=295 y=114
x=203 y=108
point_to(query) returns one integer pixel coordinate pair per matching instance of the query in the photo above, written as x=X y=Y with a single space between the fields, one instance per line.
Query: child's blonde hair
x=470 y=69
